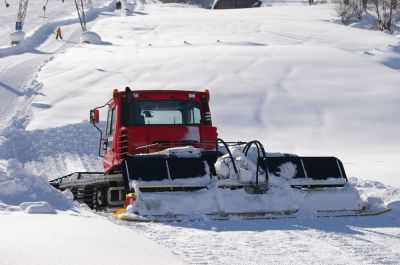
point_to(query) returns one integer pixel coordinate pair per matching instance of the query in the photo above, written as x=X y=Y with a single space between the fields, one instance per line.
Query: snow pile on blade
x=246 y=167
x=227 y=194
x=22 y=191
x=214 y=200
x=376 y=194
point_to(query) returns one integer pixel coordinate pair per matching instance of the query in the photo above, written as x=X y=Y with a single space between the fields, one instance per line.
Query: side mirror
x=94 y=116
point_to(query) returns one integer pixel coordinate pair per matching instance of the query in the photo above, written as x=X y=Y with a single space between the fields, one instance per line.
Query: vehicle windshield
x=173 y=112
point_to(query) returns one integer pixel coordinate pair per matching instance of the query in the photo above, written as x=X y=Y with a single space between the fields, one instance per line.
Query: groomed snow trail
x=20 y=64
x=19 y=67
x=372 y=240
x=302 y=240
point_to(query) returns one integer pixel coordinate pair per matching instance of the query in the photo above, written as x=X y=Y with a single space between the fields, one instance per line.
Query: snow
x=218 y=195
x=285 y=241
x=37 y=208
x=17 y=36
x=288 y=75
x=214 y=200
x=90 y=37
x=57 y=13
x=184 y=151
x=18 y=186
x=75 y=238
x=129 y=8
x=247 y=168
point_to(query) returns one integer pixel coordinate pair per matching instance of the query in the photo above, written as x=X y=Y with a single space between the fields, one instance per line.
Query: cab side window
x=110 y=128
x=111 y=122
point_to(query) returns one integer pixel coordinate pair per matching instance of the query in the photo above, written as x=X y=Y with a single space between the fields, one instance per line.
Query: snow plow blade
x=160 y=171
x=308 y=172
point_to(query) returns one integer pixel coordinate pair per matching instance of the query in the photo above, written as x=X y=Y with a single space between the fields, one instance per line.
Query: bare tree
x=387 y=12
x=347 y=10
x=356 y=7
x=364 y=4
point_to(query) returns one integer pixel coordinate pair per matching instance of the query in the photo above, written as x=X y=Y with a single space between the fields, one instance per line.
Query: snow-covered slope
x=284 y=75
x=57 y=12
x=288 y=75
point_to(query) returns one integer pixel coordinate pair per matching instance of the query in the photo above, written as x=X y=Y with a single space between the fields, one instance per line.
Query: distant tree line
x=387 y=11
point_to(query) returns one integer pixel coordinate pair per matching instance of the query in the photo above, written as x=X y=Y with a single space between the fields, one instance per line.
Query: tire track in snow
x=280 y=242
x=361 y=246
x=377 y=249
x=209 y=247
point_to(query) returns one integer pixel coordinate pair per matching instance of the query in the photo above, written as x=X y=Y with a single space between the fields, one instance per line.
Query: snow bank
x=37 y=207
x=376 y=194
x=17 y=37
x=35 y=145
x=129 y=8
x=30 y=193
x=90 y=37
x=75 y=238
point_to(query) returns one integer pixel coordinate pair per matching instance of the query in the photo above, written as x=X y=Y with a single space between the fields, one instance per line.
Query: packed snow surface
x=285 y=75
x=288 y=75
x=57 y=13
x=75 y=238
x=90 y=37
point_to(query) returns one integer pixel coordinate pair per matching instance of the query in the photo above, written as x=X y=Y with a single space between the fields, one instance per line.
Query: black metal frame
x=206 y=156
x=55 y=182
